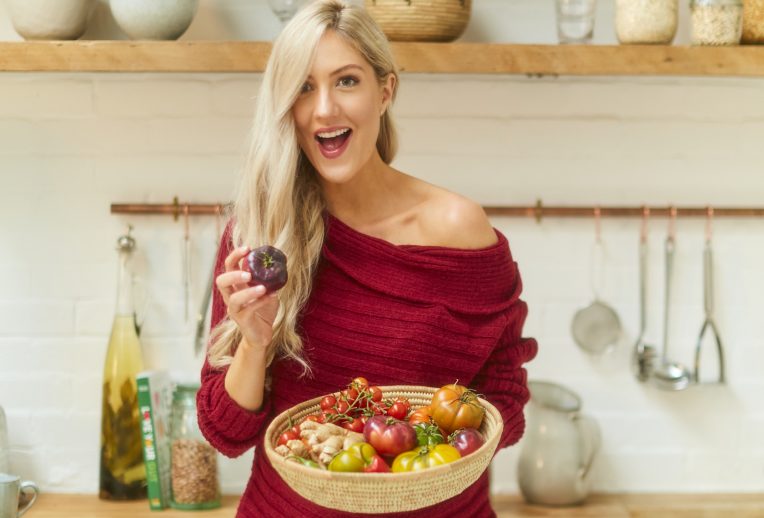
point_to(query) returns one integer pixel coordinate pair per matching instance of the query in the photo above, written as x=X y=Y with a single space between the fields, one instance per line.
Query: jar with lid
x=193 y=463
x=646 y=21
x=716 y=22
x=753 y=21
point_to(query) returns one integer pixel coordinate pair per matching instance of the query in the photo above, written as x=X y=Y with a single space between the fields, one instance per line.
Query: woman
x=390 y=278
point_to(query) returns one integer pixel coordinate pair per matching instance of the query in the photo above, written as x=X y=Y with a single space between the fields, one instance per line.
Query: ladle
x=670 y=375
x=643 y=356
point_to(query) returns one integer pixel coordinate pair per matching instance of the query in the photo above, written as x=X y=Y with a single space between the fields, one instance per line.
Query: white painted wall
x=72 y=144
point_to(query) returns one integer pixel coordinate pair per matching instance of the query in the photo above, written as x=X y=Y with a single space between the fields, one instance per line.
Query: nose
x=326 y=106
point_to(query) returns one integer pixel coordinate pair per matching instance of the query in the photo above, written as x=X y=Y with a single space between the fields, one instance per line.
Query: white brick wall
x=72 y=144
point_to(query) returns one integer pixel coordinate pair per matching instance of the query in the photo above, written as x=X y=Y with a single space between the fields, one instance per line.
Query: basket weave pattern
x=383 y=492
x=421 y=20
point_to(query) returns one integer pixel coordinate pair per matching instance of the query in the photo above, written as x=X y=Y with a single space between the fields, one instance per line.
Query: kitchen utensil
x=204 y=309
x=186 y=264
x=670 y=375
x=596 y=328
x=559 y=447
x=708 y=303
x=11 y=487
x=643 y=356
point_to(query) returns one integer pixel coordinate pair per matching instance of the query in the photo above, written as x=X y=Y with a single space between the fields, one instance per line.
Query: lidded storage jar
x=646 y=21
x=716 y=22
x=753 y=21
x=194 y=469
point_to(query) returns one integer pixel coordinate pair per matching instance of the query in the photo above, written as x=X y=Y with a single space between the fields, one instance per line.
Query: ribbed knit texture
x=397 y=315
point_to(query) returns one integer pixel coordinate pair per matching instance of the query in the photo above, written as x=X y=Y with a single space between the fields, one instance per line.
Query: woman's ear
x=388 y=87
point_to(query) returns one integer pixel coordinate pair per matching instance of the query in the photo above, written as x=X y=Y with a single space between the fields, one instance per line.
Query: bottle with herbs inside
x=716 y=22
x=753 y=21
x=646 y=21
x=122 y=474
x=193 y=464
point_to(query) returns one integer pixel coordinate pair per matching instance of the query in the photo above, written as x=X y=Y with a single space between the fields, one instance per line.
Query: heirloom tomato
x=425 y=457
x=428 y=434
x=466 y=440
x=389 y=436
x=455 y=406
x=359 y=457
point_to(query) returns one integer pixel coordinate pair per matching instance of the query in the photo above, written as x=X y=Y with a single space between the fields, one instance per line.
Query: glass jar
x=753 y=21
x=716 y=22
x=5 y=449
x=193 y=464
x=646 y=21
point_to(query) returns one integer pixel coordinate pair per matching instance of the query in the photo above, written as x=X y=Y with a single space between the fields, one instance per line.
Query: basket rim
x=272 y=455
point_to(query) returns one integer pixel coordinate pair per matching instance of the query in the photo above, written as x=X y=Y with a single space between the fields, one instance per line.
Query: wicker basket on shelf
x=383 y=492
x=421 y=20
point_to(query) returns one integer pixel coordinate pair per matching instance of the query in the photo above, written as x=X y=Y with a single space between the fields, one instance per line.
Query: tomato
x=350 y=394
x=389 y=436
x=360 y=383
x=376 y=394
x=425 y=457
x=327 y=402
x=342 y=406
x=398 y=410
x=318 y=418
x=455 y=406
x=287 y=436
x=466 y=440
x=355 y=425
x=428 y=434
x=421 y=415
x=359 y=457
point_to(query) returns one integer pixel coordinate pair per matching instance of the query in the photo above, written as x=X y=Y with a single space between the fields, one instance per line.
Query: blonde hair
x=279 y=200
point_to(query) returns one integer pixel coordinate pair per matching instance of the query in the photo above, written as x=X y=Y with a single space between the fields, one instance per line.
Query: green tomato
x=425 y=457
x=354 y=459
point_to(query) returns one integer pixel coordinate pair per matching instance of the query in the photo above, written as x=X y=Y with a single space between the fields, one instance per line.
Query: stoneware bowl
x=154 y=19
x=50 y=19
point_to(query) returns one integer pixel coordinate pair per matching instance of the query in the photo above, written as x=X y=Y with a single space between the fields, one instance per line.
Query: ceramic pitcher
x=558 y=449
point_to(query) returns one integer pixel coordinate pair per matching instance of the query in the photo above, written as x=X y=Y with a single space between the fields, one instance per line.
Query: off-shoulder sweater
x=396 y=315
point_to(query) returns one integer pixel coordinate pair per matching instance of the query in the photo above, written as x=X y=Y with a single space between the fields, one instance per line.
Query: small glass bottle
x=646 y=21
x=716 y=22
x=193 y=465
x=123 y=474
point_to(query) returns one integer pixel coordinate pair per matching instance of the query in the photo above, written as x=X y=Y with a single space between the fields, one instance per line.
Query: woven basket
x=421 y=20
x=383 y=492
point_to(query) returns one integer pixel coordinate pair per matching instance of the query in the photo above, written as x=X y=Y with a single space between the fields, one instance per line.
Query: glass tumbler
x=575 y=20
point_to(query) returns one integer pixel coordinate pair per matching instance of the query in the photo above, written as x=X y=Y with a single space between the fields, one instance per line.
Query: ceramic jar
x=154 y=19
x=50 y=19
x=559 y=447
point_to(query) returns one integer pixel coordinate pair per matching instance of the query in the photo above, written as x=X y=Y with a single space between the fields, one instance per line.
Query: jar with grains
x=646 y=21
x=753 y=21
x=716 y=22
x=193 y=464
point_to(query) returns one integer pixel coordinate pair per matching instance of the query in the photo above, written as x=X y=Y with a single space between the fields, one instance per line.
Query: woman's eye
x=347 y=81
x=305 y=88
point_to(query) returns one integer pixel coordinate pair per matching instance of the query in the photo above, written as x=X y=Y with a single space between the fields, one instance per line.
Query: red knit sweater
x=397 y=315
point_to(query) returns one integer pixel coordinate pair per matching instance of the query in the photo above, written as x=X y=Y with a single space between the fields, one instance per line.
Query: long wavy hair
x=279 y=199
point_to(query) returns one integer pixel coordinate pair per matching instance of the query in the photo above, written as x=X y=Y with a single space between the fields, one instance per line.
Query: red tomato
x=376 y=394
x=466 y=440
x=328 y=402
x=455 y=406
x=356 y=425
x=398 y=410
x=287 y=436
x=360 y=382
x=389 y=436
x=342 y=406
x=350 y=394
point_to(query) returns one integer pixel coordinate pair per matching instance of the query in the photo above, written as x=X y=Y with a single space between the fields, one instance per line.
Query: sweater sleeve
x=230 y=428
x=503 y=380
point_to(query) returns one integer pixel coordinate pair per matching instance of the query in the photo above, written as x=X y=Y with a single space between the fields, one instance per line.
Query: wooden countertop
x=599 y=506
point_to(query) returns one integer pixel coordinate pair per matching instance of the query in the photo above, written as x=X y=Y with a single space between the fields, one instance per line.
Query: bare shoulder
x=458 y=222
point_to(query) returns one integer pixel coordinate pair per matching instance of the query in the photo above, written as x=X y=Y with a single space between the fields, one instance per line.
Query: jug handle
x=26 y=487
x=590 y=431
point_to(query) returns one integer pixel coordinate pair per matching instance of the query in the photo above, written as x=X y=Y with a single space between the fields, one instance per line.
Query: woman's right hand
x=252 y=310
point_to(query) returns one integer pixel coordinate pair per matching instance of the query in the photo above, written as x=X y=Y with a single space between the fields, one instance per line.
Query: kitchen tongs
x=708 y=300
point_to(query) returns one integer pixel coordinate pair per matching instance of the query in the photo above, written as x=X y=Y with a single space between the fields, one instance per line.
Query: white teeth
x=332 y=134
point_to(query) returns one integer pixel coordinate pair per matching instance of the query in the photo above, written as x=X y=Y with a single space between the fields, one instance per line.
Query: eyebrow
x=343 y=68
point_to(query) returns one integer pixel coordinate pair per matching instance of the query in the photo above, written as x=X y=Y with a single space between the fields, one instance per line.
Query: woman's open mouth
x=333 y=143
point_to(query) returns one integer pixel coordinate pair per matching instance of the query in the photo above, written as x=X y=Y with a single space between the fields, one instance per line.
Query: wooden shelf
x=459 y=58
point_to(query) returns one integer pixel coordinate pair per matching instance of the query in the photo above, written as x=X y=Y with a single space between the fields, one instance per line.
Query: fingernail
x=245 y=276
x=260 y=289
x=243 y=248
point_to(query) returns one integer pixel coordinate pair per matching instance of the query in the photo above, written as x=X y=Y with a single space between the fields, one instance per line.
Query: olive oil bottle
x=123 y=476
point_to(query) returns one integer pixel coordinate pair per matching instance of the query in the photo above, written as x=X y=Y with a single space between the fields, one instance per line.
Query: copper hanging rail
x=538 y=211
